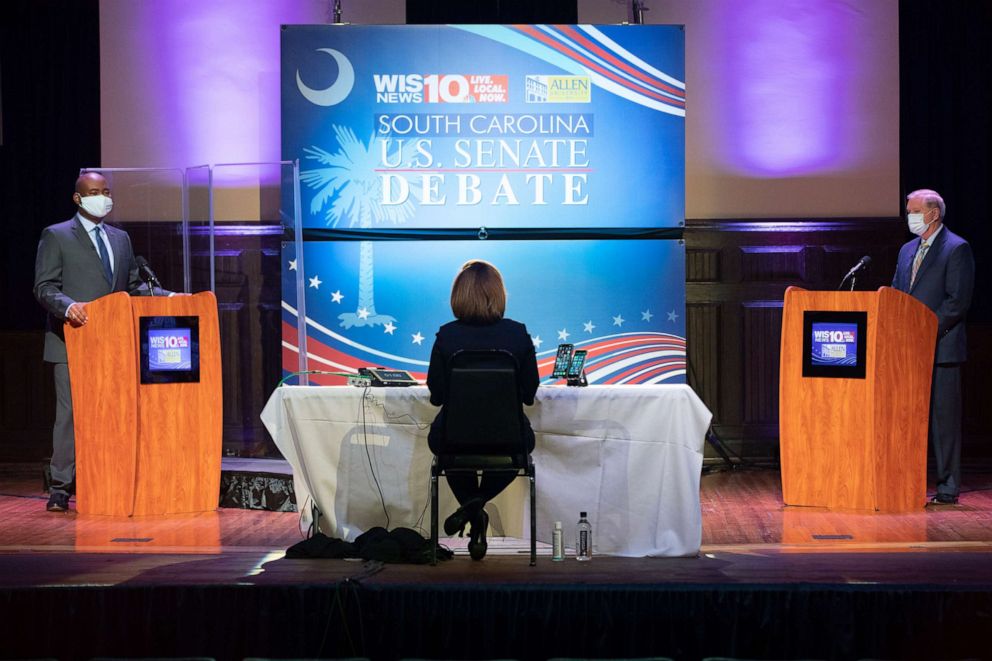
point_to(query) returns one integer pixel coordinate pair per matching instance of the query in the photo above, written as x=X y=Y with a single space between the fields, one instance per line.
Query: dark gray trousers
x=945 y=427
x=63 y=436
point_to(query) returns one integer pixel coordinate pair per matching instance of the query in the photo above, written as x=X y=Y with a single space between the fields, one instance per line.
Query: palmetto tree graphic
x=352 y=187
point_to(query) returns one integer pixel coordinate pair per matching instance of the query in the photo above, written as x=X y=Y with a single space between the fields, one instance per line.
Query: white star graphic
x=292 y=265
x=646 y=315
x=537 y=341
x=363 y=313
x=389 y=328
x=563 y=335
x=618 y=320
x=315 y=282
x=588 y=326
x=418 y=338
x=672 y=316
x=337 y=296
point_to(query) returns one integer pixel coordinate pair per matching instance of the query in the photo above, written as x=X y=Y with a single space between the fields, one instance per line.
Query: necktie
x=105 y=256
x=919 y=260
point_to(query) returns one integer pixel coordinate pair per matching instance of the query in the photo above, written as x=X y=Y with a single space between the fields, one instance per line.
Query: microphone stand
x=853 y=276
x=151 y=281
x=862 y=265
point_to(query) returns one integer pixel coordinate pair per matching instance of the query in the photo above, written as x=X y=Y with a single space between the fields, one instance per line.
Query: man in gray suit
x=938 y=269
x=78 y=261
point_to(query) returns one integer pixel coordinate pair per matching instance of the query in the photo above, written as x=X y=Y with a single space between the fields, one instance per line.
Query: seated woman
x=478 y=300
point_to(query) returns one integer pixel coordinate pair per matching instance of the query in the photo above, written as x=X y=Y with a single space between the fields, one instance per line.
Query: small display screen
x=169 y=349
x=834 y=344
x=393 y=376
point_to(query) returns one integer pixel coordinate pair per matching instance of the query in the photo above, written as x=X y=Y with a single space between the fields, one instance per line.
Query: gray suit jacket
x=68 y=269
x=944 y=283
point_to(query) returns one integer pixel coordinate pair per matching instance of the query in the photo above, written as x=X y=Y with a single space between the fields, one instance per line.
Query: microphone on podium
x=863 y=264
x=147 y=274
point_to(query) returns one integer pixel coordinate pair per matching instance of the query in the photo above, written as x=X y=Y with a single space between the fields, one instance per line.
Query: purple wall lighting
x=203 y=79
x=787 y=66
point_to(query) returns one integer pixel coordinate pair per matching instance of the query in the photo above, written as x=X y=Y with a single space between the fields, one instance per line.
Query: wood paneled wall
x=736 y=275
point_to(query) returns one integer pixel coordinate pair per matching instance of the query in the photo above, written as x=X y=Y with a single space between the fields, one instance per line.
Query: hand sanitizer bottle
x=557 y=543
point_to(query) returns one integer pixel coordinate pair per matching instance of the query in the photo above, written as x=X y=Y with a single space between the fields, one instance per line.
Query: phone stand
x=580 y=381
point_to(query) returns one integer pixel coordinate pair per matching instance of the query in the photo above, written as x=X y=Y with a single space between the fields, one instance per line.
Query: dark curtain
x=491 y=11
x=945 y=94
x=50 y=76
x=427 y=618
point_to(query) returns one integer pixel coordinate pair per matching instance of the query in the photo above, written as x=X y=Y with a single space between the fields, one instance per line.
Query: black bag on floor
x=400 y=545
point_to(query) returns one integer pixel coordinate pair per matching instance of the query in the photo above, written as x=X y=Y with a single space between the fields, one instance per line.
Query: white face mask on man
x=917 y=224
x=97 y=206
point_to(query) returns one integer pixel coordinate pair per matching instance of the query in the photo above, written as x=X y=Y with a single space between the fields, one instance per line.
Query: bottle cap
x=582 y=515
x=557 y=525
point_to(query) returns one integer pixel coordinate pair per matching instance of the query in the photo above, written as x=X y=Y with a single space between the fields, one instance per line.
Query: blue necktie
x=104 y=255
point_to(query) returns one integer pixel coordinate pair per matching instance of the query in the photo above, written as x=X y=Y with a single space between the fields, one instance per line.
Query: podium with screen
x=854 y=396
x=147 y=406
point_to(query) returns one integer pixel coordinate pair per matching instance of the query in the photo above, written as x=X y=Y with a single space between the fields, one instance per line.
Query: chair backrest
x=482 y=406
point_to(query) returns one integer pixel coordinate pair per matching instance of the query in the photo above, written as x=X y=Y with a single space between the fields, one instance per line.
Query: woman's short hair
x=478 y=294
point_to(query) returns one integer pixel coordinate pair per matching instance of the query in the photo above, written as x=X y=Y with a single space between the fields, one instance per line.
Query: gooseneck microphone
x=146 y=273
x=863 y=264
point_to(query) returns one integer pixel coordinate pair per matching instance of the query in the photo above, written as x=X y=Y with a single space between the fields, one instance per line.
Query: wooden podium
x=858 y=443
x=144 y=448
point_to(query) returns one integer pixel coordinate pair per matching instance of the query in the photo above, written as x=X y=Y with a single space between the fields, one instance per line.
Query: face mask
x=917 y=225
x=97 y=206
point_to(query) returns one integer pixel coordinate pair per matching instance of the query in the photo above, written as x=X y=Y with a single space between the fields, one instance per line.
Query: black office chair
x=483 y=428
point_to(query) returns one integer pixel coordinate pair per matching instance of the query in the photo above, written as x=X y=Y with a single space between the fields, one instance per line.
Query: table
x=629 y=455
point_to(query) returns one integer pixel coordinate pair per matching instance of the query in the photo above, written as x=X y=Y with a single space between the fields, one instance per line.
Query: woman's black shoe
x=477 y=546
x=456 y=522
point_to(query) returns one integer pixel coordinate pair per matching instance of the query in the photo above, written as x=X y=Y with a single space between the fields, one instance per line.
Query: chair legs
x=533 y=516
x=434 y=508
x=533 y=520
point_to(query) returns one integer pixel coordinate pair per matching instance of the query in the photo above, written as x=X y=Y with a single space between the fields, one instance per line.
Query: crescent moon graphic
x=337 y=92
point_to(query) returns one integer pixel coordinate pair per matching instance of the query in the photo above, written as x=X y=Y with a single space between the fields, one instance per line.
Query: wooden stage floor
x=771 y=582
x=748 y=537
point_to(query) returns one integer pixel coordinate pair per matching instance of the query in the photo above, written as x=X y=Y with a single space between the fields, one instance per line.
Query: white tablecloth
x=628 y=455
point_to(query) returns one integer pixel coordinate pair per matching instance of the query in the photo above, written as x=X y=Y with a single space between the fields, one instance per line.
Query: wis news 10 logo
x=168 y=348
x=441 y=88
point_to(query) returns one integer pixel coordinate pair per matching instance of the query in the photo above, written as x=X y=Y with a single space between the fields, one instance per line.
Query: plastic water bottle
x=583 y=538
x=557 y=543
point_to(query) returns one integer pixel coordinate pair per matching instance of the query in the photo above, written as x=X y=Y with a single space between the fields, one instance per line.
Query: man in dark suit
x=938 y=269
x=78 y=261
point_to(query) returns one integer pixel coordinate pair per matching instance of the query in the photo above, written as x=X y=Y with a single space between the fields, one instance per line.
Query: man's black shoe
x=944 y=499
x=58 y=502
